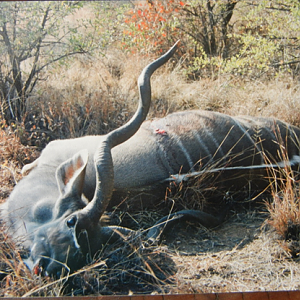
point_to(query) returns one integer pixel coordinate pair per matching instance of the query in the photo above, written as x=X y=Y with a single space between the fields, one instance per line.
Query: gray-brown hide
x=46 y=211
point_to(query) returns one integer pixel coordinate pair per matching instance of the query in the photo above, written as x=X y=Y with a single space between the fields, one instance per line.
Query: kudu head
x=74 y=234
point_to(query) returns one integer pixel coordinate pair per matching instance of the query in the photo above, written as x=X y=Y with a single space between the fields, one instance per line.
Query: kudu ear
x=70 y=174
x=29 y=167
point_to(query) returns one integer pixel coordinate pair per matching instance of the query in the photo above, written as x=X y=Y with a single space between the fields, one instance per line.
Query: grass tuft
x=284 y=210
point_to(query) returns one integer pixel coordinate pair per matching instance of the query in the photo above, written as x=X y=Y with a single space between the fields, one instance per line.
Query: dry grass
x=284 y=210
x=13 y=155
x=261 y=265
x=94 y=95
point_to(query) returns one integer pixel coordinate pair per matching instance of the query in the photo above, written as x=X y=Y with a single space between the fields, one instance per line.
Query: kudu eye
x=72 y=222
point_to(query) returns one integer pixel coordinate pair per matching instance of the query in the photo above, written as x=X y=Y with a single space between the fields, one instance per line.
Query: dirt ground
x=240 y=255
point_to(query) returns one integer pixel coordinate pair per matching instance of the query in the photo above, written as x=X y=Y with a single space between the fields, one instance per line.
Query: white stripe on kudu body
x=202 y=144
x=184 y=151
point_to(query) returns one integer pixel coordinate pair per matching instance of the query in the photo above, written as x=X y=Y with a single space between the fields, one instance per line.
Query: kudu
x=59 y=227
x=46 y=211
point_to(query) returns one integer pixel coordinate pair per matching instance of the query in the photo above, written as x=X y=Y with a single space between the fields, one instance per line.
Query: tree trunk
x=227 y=12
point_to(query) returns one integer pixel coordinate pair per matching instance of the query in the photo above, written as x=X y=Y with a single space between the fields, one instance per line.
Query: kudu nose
x=47 y=267
x=40 y=266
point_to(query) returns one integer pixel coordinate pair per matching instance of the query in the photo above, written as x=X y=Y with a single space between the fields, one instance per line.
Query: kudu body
x=162 y=150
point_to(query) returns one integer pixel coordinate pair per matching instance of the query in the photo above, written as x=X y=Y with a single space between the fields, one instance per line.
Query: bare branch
x=59 y=58
x=37 y=52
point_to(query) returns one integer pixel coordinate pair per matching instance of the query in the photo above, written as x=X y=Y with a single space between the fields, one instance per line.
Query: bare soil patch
x=240 y=255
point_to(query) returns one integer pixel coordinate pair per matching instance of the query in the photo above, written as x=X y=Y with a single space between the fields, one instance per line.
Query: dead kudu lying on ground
x=48 y=215
x=46 y=211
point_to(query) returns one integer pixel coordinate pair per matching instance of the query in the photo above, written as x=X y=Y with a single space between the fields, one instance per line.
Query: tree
x=32 y=36
x=206 y=23
x=267 y=39
x=203 y=23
